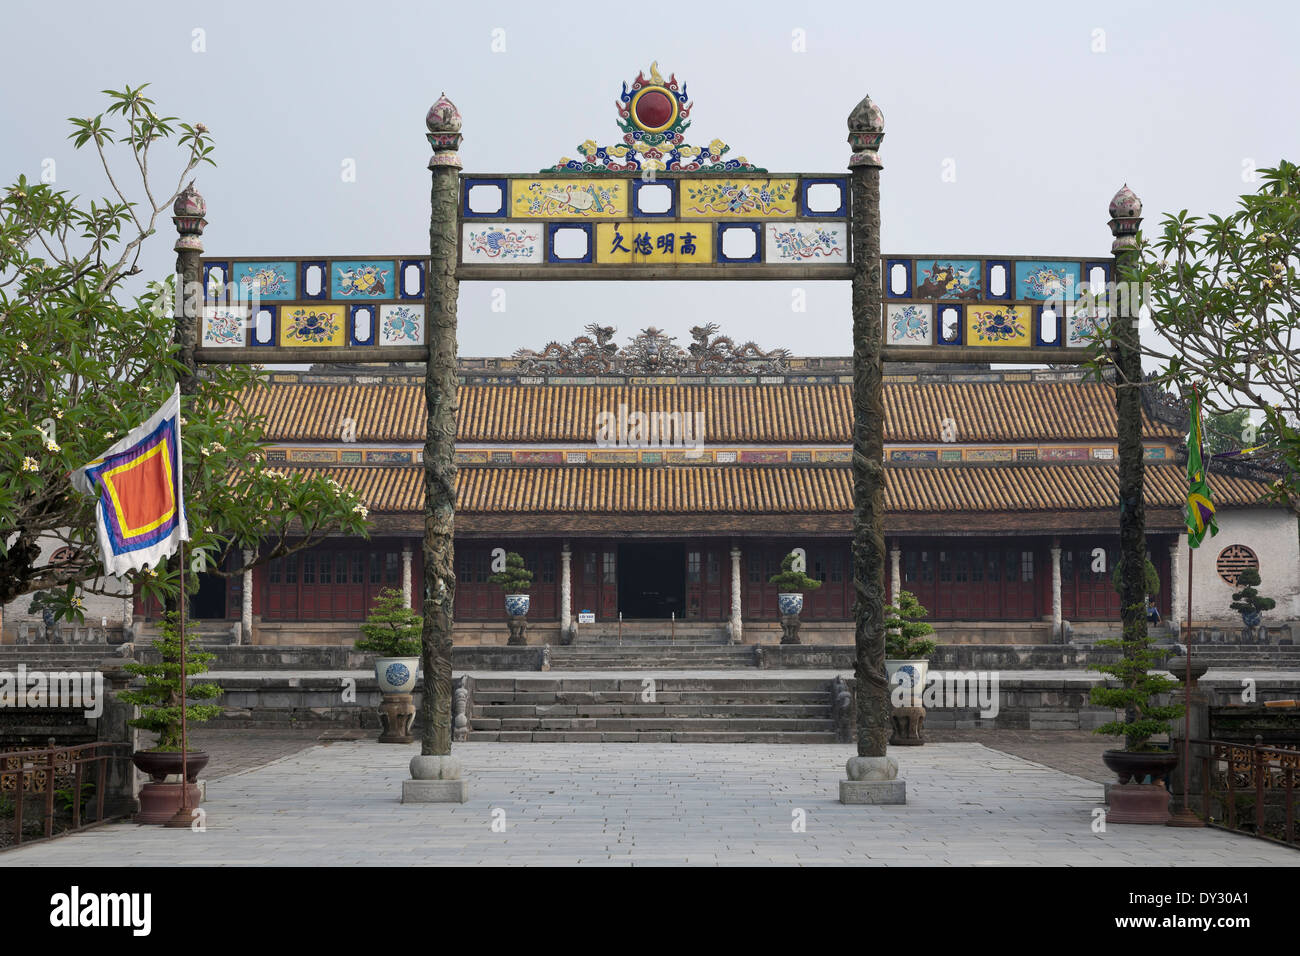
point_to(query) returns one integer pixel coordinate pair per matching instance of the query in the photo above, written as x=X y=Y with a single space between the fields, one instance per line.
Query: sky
x=1008 y=126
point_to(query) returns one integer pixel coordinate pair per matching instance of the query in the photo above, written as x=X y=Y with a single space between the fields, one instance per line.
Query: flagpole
x=184 y=815
x=1186 y=817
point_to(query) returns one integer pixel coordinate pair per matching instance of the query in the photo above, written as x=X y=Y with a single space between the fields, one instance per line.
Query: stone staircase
x=665 y=710
x=661 y=655
x=58 y=657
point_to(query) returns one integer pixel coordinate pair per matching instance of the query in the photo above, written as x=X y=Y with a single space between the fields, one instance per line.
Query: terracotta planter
x=160 y=764
x=1135 y=767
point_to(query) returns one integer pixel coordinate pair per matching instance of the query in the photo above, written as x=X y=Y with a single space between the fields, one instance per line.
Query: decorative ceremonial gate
x=655 y=207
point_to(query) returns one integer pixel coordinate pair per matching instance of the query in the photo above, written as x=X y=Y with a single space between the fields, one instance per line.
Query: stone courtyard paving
x=647 y=804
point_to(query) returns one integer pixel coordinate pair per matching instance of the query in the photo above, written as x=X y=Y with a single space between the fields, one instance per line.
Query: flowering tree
x=85 y=362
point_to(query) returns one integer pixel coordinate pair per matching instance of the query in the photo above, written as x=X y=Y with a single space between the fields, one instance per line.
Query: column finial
x=1125 y=217
x=443 y=122
x=866 y=132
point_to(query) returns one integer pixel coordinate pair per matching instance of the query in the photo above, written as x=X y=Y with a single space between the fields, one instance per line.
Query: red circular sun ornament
x=654 y=109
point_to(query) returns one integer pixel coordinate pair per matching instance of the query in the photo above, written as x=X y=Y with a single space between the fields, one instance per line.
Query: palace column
x=737 y=626
x=895 y=572
x=406 y=574
x=1057 y=633
x=246 y=609
x=872 y=774
x=566 y=590
x=436 y=775
x=1176 y=598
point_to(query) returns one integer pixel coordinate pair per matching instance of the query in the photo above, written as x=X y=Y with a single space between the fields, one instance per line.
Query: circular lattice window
x=1233 y=560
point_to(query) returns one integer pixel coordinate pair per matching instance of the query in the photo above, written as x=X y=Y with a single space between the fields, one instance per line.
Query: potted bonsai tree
x=1247 y=601
x=907 y=650
x=392 y=634
x=159 y=701
x=1137 y=694
x=515 y=580
x=792 y=585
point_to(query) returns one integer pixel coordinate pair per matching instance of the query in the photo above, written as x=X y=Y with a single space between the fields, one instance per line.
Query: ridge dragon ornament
x=653 y=115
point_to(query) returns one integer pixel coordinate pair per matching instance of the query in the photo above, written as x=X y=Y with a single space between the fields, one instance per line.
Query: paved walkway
x=747 y=673
x=647 y=804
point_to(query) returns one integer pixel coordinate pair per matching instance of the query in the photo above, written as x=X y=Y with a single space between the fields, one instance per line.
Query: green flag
x=1199 y=510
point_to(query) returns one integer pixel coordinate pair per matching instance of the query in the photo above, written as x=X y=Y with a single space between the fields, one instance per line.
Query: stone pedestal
x=518 y=630
x=789 y=628
x=873 y=780
x=435 y=779
x=397 y=714
x=909 y=727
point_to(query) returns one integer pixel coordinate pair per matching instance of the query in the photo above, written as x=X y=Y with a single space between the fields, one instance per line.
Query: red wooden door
x=1019 y=574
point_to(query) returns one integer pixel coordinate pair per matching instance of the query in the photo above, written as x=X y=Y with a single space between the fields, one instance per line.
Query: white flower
x=360 y=509
x=5 y=435
x=51 y=445
x=58 y=412
x=108 y=436
x=29 y=464
x=22 y=346
x=217 y=446
x=78 y=603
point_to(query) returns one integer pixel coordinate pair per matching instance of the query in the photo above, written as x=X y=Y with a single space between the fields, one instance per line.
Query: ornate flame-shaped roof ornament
x=653 y=115
x=1125 y=204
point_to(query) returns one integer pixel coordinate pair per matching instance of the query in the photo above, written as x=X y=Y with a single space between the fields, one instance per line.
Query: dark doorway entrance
x=651 y=580
x=209 y=601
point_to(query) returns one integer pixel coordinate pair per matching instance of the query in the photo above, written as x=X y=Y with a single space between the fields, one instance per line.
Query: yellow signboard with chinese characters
x=748 y=198
x=569 y=198
x=989 y=324
x=645 y=243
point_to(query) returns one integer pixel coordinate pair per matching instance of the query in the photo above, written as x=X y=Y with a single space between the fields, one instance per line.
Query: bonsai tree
x=1247 y=601
x=515 y=579
x=905 y=630
x=1138 y=690
x=392 y=629
x=160 y=698
x=789 y=580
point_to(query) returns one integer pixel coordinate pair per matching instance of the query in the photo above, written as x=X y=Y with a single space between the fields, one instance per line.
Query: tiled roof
x=983 y=411
x=790 y=489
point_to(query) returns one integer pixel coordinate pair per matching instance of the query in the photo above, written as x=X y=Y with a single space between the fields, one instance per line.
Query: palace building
x=1001 y=500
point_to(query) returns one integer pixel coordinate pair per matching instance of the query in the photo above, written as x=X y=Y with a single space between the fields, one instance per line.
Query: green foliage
x=85 y=361
x=789 y=581
x=905 y=630
x=1247 y=600
x=7 y=806
x=392 y=629
x=160 y=697
x=1137 y=692
x=1152 y=577
x=1223 y=293
x=64 y=797
x=1227 y=431
x=515 y=579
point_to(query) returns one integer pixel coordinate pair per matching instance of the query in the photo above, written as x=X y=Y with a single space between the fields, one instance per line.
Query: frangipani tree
x=84 y=362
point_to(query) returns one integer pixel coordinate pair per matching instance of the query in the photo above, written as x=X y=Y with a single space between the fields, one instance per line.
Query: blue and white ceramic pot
x=1251 y=618
x=790 y=603
x=396 y=675
x=517 y=604
x=907 y=681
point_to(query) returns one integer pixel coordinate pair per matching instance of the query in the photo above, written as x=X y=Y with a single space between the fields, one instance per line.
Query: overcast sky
x=1044 y=110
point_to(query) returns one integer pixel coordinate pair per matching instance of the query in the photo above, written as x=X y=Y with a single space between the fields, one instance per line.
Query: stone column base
x=873 y=791
x=435 y=791
x=160 y=801
x=873 y=780
x=397 y=714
